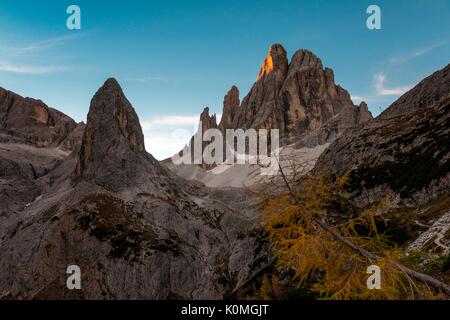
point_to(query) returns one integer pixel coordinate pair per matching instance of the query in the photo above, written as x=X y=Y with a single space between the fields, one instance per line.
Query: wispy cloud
x=37 y=46
x=19 y=55
x=148 y=79
x=379 y=81
x=405 y=57
x=29 y=69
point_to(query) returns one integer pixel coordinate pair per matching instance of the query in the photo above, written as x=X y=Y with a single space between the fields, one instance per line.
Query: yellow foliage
x=270 y=288
x=315 y=255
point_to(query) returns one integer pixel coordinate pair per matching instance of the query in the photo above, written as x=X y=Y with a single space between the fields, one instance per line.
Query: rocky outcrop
x=275 y=64
x=31 y=121
x=231 y=105
x=363 y=114
x=207 y=121
x=136 y=230
x=21 y=168
x=73 y=140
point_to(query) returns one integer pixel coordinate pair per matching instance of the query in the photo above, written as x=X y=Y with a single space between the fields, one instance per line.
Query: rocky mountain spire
x=207 y=121
x=428 y=92
x=112 y=150
x=231 y=104
x=259 y=104
x=364 y=114
x=297 y=98
x=276 y=61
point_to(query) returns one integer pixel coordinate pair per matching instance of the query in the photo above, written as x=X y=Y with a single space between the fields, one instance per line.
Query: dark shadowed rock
x=405 y=152
x=426 y=93
x=74 y=139
x=21 y=168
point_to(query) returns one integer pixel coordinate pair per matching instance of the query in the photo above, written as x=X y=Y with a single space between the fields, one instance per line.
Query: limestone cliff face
x=31 y=121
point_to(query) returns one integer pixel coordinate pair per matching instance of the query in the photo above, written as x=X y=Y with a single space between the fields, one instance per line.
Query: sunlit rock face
x=276 y=60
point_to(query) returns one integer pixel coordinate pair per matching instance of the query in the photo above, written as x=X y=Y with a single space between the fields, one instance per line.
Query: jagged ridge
x=299 y=98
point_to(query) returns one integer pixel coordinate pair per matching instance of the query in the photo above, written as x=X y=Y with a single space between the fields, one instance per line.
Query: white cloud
x=28 y=69
x=167 y=135
x=396 y=60
x=379 y=80
x=171 y=121
x=164 y=144
x=30 y=49
x=356 y=98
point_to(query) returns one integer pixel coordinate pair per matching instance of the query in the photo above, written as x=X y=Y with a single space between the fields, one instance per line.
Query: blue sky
x=172 y=58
